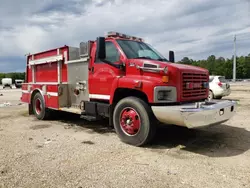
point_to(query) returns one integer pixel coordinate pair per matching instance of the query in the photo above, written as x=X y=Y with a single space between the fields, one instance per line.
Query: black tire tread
x=143 y=107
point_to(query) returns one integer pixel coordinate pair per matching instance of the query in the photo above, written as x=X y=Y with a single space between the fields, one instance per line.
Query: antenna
x=234 y=63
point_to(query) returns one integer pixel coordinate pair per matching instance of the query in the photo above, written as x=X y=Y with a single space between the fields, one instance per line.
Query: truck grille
x=194 y=85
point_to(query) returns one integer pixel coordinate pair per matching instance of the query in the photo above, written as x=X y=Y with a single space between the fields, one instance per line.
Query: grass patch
x=24 y=113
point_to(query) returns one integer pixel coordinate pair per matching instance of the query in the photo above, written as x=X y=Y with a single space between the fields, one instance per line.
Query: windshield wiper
x=142 y=58
x=162 y=59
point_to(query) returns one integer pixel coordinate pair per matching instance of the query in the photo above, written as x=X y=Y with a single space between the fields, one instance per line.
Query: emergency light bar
x=120 y=35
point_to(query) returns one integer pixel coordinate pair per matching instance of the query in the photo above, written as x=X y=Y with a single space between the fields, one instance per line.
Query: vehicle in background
x=218 y=87
x=7 y=82
x=18 y=83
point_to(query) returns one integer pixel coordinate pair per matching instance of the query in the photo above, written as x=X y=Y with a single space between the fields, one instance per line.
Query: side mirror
x=100 y=48
x=171 y=56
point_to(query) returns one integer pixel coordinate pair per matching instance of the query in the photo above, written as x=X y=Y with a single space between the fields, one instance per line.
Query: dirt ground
x=70 y=152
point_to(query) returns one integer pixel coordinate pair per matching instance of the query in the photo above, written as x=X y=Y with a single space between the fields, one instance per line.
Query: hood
x=187 y=67
x=180 y=67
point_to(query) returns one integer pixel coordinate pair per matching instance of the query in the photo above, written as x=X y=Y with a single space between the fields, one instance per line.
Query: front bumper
x=222 y=92
x=227 y=92
x=194 y=115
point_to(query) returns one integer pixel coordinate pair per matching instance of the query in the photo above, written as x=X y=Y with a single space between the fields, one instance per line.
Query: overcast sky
x=193 y=28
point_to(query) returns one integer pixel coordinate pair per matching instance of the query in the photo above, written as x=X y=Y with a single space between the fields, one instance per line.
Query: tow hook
x=199 y=104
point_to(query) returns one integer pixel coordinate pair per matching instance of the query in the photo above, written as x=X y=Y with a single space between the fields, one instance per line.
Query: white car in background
x=218 y=87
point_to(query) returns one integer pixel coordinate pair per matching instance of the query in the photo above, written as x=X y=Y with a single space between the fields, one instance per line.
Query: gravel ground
x=70 y=152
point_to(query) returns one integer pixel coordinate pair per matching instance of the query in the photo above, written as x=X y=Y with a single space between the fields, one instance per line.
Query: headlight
x=165 y=94
x=162 y=95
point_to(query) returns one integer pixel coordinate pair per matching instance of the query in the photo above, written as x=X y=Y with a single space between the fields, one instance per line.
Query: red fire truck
x=122 y=78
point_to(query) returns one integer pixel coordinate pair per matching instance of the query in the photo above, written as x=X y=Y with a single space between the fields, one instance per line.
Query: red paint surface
x=130 y=121
x=25 y=97
x=103 y=76
x=46 y=72
x=29 y=74
x=51 y=101
x=24 y=86
x=52 y=88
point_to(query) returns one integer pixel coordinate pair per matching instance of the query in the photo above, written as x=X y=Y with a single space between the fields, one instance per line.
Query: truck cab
x=122 y=78
x=18 y=83
x=133 y=65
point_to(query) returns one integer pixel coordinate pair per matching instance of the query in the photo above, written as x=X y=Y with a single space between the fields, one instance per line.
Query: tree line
x=216 y=66
x=222 y=66
x=13 y=75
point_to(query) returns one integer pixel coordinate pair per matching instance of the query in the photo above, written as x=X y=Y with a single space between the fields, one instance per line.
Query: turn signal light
x=165 y=79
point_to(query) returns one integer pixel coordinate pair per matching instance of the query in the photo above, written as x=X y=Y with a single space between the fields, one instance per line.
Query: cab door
x=103 y=76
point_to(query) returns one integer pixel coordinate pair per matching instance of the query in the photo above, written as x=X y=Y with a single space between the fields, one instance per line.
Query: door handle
x=91 y=69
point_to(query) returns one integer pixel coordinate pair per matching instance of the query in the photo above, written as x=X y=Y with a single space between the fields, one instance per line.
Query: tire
x=210 y=95
x=141 y=130
x=39 y=109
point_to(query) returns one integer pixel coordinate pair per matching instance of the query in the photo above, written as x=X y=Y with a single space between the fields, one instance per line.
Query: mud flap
x=30 y=109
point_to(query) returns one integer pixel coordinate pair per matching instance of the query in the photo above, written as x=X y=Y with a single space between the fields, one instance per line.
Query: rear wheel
x=39 y=109
x=134 y=121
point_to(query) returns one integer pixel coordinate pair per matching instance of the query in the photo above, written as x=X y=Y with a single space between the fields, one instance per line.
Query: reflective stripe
x=84 y=59
x=55 y=94
x=48 y=93
x=97 y=96
x=46 y=83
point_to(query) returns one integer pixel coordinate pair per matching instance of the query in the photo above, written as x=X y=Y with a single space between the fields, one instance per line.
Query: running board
x=71 y=110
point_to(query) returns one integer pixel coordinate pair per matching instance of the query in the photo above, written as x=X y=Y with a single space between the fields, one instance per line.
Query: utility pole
x=234 y=63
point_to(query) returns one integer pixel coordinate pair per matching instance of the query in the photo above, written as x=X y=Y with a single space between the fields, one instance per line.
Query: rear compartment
x=56 y=74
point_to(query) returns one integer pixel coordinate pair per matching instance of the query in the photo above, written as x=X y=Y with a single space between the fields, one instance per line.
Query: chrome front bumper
x=194 y=115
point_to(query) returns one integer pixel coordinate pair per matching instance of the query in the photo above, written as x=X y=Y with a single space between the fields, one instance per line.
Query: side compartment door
x=102 y=75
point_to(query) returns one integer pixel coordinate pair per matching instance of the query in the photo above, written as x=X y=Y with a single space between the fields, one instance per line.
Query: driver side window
x=112 y=54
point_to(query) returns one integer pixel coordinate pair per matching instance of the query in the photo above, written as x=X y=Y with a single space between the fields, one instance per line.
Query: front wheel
x=134 y=122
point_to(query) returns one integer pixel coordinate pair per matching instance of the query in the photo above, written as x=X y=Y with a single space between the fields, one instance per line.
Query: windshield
x=211 y=78
x=222 y=79
x=136 y=49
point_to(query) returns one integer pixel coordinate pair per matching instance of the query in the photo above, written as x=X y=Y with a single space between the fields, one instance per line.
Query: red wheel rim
x=38 y=106
x=130 y=121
